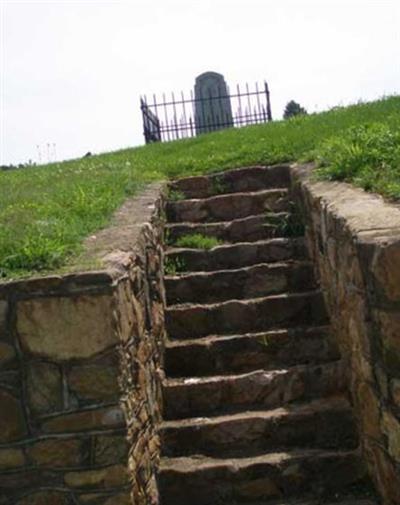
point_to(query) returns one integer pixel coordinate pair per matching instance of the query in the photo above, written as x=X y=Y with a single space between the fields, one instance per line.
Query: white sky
x=72 y=72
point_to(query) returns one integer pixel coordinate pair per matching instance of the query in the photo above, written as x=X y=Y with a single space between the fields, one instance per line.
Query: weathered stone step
x=238 y=255
x=248 y=282
x=231 y=181
x=218 y=355
x=209 y=481
x=346 y=501
x=227 y=207
x=218 y=395
x=244 y=316
x=349 y=500
x=247 y=229
x=322 y=424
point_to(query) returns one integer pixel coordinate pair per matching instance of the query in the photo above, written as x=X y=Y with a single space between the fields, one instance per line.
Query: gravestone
x=213 y=109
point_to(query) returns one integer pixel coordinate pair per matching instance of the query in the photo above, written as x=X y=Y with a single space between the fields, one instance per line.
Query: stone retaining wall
x=80 y=371
x=354 y=238
x=81 y=354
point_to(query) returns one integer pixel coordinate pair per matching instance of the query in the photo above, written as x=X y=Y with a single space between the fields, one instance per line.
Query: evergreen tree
x=293 y=109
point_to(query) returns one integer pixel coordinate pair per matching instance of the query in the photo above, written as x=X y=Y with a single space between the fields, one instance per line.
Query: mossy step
x=236 y=255
x=247 y=229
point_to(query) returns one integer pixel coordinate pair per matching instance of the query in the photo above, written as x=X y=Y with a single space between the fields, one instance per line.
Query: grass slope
x=46 y=211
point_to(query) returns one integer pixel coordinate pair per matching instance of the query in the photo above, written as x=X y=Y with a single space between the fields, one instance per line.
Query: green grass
x=173 y=266
x=197 y=241
x=365 y=155
x=286 y=224
x=47 y=211
x=175 y=195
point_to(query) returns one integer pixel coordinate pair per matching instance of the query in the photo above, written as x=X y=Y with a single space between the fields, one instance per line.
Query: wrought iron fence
x=172 y=119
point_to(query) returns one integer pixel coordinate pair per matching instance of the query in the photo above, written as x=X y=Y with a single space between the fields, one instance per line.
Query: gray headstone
x=213 y=109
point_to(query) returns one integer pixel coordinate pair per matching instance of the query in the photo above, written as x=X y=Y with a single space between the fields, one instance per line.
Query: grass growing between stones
x=175 y=195
x=174 y=266
x=47 y=211
x=197 y=241
x=288 y=224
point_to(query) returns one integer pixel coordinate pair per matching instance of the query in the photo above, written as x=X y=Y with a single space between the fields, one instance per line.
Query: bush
x=293 y=109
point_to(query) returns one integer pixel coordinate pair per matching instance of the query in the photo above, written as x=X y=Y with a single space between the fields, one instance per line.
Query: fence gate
x=151 y=124
x=177 y=118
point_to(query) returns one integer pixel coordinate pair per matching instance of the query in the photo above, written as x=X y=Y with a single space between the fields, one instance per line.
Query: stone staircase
x=255 y=407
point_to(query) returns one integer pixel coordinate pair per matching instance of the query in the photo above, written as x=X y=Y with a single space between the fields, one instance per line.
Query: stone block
x=11 y=458
x=390 y=336
x=66 y=328
x=3 y=317
x=157 y=320
x=7 y=354
x=111 y=476
x=391 y=427
x=386 y=268
x=92 y=382
x=383 y=382
x=12 y=422
x=115 y=499
x=46 y=498
x=368 y=406
x=110 y=449
x=385 y=473
x=257 y=488
x=11 y=380
x=56 y=452
x=20 y=479
x=152 y=495
x=144 y=350
x=119 y=499
x=395 y=391
x=131 y=312
x=44 y=387
x=102 y=419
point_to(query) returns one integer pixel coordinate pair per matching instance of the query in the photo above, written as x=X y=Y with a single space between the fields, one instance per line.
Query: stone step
x=257 y=390
x=347 y=501
x=333 y=499
x=227 y=207
x=247 y=282
x=322 y=424
x=245 y=316
x=238 y=255
x=343 y=500
x=217 y=355
x=212 y=481
x=232 y=181
x=247 y=229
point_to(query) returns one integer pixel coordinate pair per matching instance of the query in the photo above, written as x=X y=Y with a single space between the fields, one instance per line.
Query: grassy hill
x=46 y=211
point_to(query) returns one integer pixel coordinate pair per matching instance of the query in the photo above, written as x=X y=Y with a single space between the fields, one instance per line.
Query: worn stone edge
x=338 y=197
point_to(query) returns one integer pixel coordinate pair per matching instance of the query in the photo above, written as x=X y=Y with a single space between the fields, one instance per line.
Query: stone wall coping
x=112 y=250
x=366 y=215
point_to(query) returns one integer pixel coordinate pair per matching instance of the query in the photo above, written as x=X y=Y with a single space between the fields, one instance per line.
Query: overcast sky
x=72 y=72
